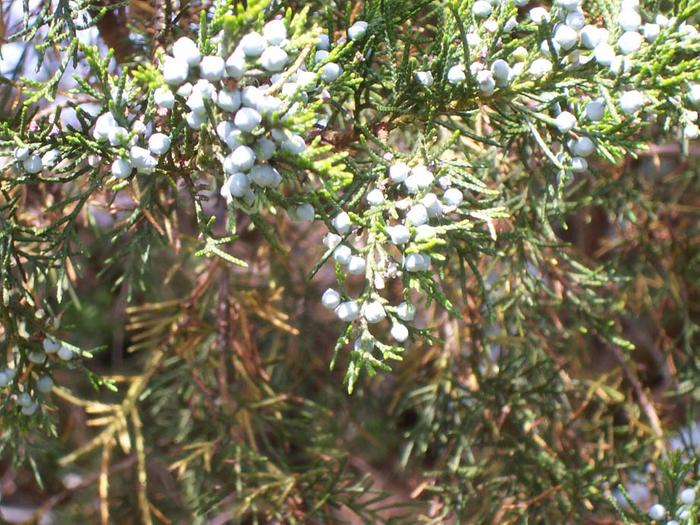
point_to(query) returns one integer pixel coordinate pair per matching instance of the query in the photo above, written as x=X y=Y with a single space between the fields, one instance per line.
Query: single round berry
x=186 y=50
x=212 y=68
x=121 y=169
x=481 y=9
x=320 y=55
x=456 y=75
x=33 y=164
x=492 y=26
x=236 y=65
x=330 y=299
x=629 y=20
x=540 y=67
x=399 y=234
x=294 y=145
x=342 y=223
x=374 y=312
x=422 y=176
x=592 y=36
x=228 y=133
x=50 y=158
x=576 y=20
x=604 y=54
x=229 y=100
x=175 y=71
x=510 y=24
x=539 y=15
x=651 y=31
x=185 y=90
x=21 y=153
x=164 y=98
x=238 y=184
x=579 y=164
x=357 y=30
x=44 y=384
x=375 y=197
x=142 y=160
x=570 y=5
x=687 y=496
x=566 y=36
x=425 y=78
x=265 y=175
x=274 y=58
x=487 y=84
x=342 y=254
x=432 y=204
x=550 y=47
x=331 y=240
x=453 y=197
x=565 y=122
x=37 y=357
x=595 y=110
x=65 y=353
x=50 y=345
x=501 y=70
x=398 y=172
x=411 y=184
x=29 y=409
x=694 y=94
x=305 y=212
x=241 y=159
x=265 y=149
x=196 y=103
x=118 y=136
x=657 y=512
x=323 y=42
x=631 y=101
x=417 y=262
x=417 y=215
x=267 y=105
x=275 y=32
x=629 y=42
x=330 y=72
x=399 y=332
x=357 y=265
x=348 y=311
x=253 y=44
x=24 y=400
x=583 y=147
x=250 y=96
x=159 y=143
x=247 y=119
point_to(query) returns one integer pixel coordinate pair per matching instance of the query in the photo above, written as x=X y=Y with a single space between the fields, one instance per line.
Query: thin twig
x=644 y=400
x=88 y=481
x=103 y=489
x=223 y=333
x=141 y=468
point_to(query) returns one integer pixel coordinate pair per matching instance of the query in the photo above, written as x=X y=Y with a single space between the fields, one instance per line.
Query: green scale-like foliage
x=164 y=336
